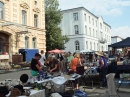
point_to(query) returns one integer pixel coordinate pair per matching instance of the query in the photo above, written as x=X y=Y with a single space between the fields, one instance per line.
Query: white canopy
x=86 y=50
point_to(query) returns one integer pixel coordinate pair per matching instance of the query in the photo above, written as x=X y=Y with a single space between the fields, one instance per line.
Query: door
x=4 y=42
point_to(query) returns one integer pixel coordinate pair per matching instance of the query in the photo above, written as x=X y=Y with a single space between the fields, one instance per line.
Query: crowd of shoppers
x=66 y=62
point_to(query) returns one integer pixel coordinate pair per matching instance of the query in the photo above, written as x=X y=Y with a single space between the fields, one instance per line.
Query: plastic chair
x=124 y=77
x=111 y=85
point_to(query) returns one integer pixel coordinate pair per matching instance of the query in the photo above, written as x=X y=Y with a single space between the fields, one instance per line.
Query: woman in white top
x=42 y=58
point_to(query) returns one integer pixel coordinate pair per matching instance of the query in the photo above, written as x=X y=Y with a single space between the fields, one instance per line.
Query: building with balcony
x=22 y=25
x=115 y=39
x=85 y=30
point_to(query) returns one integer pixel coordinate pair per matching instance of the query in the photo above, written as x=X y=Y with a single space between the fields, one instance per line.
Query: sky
x=115 y=13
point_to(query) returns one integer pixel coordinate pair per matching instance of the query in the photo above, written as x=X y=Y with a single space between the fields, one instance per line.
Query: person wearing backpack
x=103 y=68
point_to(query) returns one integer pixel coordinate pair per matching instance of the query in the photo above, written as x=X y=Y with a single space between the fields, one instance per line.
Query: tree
x=53 y=17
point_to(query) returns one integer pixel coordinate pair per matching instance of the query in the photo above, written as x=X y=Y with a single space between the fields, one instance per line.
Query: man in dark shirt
x=35 y=66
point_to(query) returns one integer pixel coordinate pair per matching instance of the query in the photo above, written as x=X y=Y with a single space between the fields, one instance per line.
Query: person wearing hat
x=103 y=68
x=24 y=78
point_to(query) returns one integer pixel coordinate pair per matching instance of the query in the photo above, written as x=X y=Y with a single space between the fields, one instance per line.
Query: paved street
x=13 y=75
x=95 y=92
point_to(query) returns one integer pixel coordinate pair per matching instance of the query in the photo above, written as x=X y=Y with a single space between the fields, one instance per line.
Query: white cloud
x=99 y=7
x=121 y=31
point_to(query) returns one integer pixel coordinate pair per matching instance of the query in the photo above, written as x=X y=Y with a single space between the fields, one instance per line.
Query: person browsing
x=35 y=66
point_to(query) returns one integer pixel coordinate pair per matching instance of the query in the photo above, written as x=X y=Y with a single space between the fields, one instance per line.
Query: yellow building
x=22 y=25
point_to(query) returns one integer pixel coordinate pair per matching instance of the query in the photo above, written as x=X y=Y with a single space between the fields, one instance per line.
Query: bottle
x=38 y=77
x=42 y=73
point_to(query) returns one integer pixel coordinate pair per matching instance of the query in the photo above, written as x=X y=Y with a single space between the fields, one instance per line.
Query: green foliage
x=53 y=16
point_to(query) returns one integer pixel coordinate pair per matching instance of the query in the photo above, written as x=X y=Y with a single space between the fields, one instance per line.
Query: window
x=101 y=35
x=106 y=47
x=76 y=29
x=86 y=30
x=1 y=10
x=34 y=42
x=75 y=15
x=77 y=47
x=89 y=20
x=85 y=17
x=26 y=42
x=93 y=21
x=96 y=34
x=90 y=45
x=90 y=31
x=107 y=30
x=35 y=2
x=101 y=25
x=4 y=42
x=102 y=48
x=86 y=45
x=93 y=33
x=97 y=46
x=94 y=47
x=24 y=17
x=35 y=20
x=96 y=23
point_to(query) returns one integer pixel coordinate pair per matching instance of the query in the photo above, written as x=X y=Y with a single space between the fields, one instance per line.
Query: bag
x=80 y=70
x=3 y=91
x=71 y=72
x=78 y=65
x=20 y=87
x=15 y=92
x=80 y=93
x=68 y=93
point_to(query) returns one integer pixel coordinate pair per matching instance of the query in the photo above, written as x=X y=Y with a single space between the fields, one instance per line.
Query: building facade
x=85 y=30
x=115 y=39
x=22 y=25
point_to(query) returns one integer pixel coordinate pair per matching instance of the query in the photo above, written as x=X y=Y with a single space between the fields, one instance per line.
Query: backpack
x=15 y=92
x=79 y=93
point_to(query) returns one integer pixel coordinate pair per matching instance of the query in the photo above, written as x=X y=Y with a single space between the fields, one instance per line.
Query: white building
x=115 y=39
x=85 y=30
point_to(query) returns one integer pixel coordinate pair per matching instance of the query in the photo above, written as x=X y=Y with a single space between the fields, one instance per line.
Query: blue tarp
x=28 y=54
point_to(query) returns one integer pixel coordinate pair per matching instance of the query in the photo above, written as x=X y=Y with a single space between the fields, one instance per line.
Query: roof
x=117 y=37
x=20 y=29
x=121 y=44
x=78 y=8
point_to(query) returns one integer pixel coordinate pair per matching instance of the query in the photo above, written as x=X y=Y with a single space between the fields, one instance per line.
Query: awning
x=15 y=27
x=19 y=28
x=121 y=44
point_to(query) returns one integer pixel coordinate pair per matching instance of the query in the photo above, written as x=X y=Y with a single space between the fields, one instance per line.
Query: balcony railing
x=102 y=40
